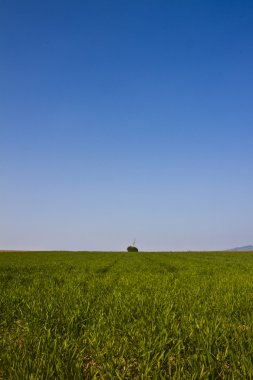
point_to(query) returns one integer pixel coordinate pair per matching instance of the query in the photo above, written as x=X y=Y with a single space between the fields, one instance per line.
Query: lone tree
x=132 y=248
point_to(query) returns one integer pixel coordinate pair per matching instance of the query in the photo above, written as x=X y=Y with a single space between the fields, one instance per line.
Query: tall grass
x=119 y=315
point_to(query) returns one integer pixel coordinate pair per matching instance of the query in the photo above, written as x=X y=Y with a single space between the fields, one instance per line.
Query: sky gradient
x=123 y=120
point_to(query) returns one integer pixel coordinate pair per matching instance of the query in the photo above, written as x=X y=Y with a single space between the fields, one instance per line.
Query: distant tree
x=132 y=248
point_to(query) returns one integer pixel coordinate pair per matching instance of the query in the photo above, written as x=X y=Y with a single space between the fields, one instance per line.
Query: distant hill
x=245 y=248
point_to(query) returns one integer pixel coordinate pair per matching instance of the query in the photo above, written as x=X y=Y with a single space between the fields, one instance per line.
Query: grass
x=94 y=315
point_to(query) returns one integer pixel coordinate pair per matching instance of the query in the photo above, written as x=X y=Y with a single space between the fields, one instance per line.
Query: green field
x=94 y=315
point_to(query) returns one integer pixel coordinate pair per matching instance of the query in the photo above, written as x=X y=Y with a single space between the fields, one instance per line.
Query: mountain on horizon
x=245 y=248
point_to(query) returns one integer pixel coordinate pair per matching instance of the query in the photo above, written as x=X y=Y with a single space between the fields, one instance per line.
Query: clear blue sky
x=123 y=120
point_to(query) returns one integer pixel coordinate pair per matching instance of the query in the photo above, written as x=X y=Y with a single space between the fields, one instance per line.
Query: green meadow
x=114 y=315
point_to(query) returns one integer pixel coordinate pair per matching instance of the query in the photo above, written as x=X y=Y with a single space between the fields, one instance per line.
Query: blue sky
x=123 y=120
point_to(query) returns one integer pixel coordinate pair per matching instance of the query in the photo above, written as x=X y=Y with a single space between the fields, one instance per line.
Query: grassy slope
x=101 y=315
